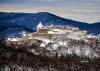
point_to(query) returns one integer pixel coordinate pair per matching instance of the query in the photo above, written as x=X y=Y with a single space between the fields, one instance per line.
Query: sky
x=79 y=10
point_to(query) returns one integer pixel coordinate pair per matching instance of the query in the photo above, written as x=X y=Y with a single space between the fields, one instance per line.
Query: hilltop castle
x=57 y=39
x=53 y=30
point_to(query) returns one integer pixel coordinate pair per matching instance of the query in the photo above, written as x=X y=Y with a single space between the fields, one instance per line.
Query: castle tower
x=39 y=26
x=52 y=26
x=25 y=35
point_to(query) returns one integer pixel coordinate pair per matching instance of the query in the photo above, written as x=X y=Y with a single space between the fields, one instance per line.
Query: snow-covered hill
x=14 y=31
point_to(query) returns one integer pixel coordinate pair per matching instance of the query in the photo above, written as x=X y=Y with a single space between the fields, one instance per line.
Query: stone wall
x=84 y=33
x=43 y=30
x=44 y=35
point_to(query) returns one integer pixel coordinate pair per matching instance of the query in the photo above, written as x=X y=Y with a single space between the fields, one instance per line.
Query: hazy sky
x=79 y=10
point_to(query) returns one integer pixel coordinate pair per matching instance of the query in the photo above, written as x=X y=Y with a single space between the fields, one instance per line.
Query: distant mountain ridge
x=29 y=22
x=14 y=31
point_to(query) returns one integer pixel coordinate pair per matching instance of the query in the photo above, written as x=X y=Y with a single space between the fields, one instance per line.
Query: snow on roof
x=42 y=45
x=9 y=38
x=91 y=36
x=51 y=25
x=12 y=39
x=56 y=29
x=24 y=33
x=50 y=32
x=84 y=31
x=40 y=25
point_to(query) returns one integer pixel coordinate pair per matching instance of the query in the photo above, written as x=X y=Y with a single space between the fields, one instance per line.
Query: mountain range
x=13 y=24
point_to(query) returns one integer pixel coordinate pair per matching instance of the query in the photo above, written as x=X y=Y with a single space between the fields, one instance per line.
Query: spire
x=51 y=25
x=40 y=25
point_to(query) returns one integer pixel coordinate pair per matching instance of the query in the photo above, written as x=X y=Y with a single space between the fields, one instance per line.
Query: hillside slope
x=12 y=59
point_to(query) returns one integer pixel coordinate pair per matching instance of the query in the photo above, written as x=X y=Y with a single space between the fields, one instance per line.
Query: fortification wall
x=45 y=35
x=84 y=33
x=76 y=29
x=43 y=30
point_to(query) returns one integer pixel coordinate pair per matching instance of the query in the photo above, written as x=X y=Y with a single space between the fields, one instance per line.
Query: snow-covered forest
x=21 y=59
